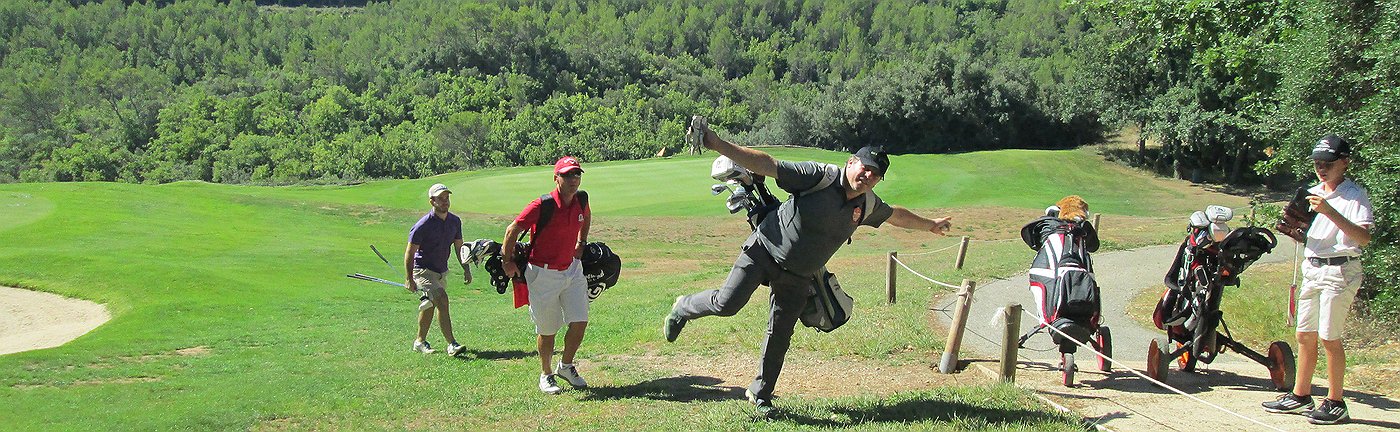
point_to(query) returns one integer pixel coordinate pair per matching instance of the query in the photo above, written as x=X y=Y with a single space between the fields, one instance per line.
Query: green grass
x=253 y=278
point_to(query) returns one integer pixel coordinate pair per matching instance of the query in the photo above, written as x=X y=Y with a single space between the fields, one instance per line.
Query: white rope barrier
x=906 y=267
x=1144 y=376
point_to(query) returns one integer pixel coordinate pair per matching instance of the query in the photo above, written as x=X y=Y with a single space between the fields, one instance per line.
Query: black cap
x=1331 y=147
x=875 y=158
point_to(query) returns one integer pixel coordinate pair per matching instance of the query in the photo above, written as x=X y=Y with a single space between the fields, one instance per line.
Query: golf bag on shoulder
x=829 y=307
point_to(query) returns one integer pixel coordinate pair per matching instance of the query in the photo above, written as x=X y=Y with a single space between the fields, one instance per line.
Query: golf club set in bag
x=830 y=306
x=1063 y=285
x=1211 y=257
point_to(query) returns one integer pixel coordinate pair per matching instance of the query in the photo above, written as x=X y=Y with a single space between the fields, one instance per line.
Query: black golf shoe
x=673 y=322
x=1331 y=412
x=1289 y=403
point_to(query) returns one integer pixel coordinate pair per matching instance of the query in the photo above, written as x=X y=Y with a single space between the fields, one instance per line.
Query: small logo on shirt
x=580 y=218
x=855 y=216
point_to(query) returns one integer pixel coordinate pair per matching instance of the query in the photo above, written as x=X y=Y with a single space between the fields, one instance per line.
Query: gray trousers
x=788 y=298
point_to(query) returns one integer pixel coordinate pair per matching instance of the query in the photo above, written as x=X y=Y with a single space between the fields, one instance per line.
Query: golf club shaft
x=381 y=258
x=369 y=278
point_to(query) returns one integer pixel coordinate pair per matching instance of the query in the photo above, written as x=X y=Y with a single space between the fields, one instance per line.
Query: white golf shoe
x=548 y=385
x=570 y=374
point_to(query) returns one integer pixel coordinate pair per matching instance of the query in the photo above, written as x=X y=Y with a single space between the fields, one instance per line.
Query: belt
x=547 y=267
x=1333 y=261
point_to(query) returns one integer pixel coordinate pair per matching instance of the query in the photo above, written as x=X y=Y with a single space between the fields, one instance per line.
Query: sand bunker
x=31 y=320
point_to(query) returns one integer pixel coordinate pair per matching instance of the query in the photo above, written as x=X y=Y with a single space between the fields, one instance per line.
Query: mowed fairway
x=231 y=310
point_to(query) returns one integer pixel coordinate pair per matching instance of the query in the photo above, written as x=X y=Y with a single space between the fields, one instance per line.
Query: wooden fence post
x=1010 y=341
x=962 y=253
x=890 y=277
x=949 y=362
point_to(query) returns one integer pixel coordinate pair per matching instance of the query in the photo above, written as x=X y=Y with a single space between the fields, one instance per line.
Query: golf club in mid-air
x=381 y=258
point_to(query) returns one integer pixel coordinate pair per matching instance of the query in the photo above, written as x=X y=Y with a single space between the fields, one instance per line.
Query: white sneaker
x=454 y=349
x=548 y=385
x=570 y=374
x=423 y=347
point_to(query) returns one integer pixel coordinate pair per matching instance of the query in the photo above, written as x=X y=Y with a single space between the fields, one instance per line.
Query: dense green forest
x=1231 y=91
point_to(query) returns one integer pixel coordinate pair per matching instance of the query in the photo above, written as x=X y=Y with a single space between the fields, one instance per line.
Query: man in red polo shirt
x=558 y=289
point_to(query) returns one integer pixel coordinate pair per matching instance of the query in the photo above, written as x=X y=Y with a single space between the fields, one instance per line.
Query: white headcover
x=1219 y=214
x=724 y=169
x=1199 y=219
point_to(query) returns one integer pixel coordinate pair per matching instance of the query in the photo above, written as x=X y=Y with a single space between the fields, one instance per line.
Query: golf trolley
x=1210 y=258
x=1062 y=284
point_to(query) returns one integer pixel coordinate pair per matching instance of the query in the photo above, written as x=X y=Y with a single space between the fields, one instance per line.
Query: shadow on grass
x=496 y=355
x=687 y=388
x=918 y=409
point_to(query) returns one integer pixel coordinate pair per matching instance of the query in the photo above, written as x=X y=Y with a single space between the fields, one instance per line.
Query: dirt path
x=31 y=320
x=1119 y=400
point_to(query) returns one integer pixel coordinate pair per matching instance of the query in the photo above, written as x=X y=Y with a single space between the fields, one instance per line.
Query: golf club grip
x=380 y=255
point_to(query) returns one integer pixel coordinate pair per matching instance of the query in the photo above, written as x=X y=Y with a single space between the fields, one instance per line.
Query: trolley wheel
x=1186 y=362
x=1159 y=358
x=1281 y=365
x=1105 y=345
x=1067 y=366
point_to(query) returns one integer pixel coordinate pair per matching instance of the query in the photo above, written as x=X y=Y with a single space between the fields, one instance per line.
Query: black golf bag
x=600 y=265
x=1062 y=278
x=1189 y=310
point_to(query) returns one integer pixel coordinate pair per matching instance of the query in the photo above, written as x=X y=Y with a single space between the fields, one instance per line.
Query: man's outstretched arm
x=904 y=218
x=759 y=162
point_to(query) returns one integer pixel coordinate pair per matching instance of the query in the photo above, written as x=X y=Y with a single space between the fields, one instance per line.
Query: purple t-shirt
x=434 y=237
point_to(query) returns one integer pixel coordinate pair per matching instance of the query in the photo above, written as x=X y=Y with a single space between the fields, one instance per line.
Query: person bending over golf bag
x=430 y=244
x=791 y=245
x=557 y=288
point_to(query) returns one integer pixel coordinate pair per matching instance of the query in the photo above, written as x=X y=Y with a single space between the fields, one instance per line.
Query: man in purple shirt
x=430 y=244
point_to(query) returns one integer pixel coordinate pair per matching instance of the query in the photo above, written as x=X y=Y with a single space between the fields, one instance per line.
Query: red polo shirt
x=555 y=246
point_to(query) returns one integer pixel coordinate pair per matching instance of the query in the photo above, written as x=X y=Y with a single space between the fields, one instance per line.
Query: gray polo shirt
x=806 y=231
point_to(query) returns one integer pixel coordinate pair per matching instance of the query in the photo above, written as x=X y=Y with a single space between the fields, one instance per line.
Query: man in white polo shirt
x=1331 y=277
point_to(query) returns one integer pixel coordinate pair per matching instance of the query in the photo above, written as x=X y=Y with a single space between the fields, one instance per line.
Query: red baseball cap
x=567 y=164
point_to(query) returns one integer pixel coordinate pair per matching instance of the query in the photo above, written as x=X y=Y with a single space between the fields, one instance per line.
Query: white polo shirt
x=1325 y=239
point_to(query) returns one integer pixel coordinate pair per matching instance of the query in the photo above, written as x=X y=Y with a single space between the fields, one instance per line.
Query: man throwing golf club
x=430 y=243
x=791 y=245
x=558 y=290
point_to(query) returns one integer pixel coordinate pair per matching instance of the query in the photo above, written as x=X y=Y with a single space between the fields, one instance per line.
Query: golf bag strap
x=830 y=174
x=547 y=207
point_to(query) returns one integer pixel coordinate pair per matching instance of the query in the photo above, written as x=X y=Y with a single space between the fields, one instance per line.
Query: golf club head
x=718 y=188
x=1052 y=211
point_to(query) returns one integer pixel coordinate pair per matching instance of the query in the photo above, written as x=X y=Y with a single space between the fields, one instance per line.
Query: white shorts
x=557 y=297
x=1325 y=298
